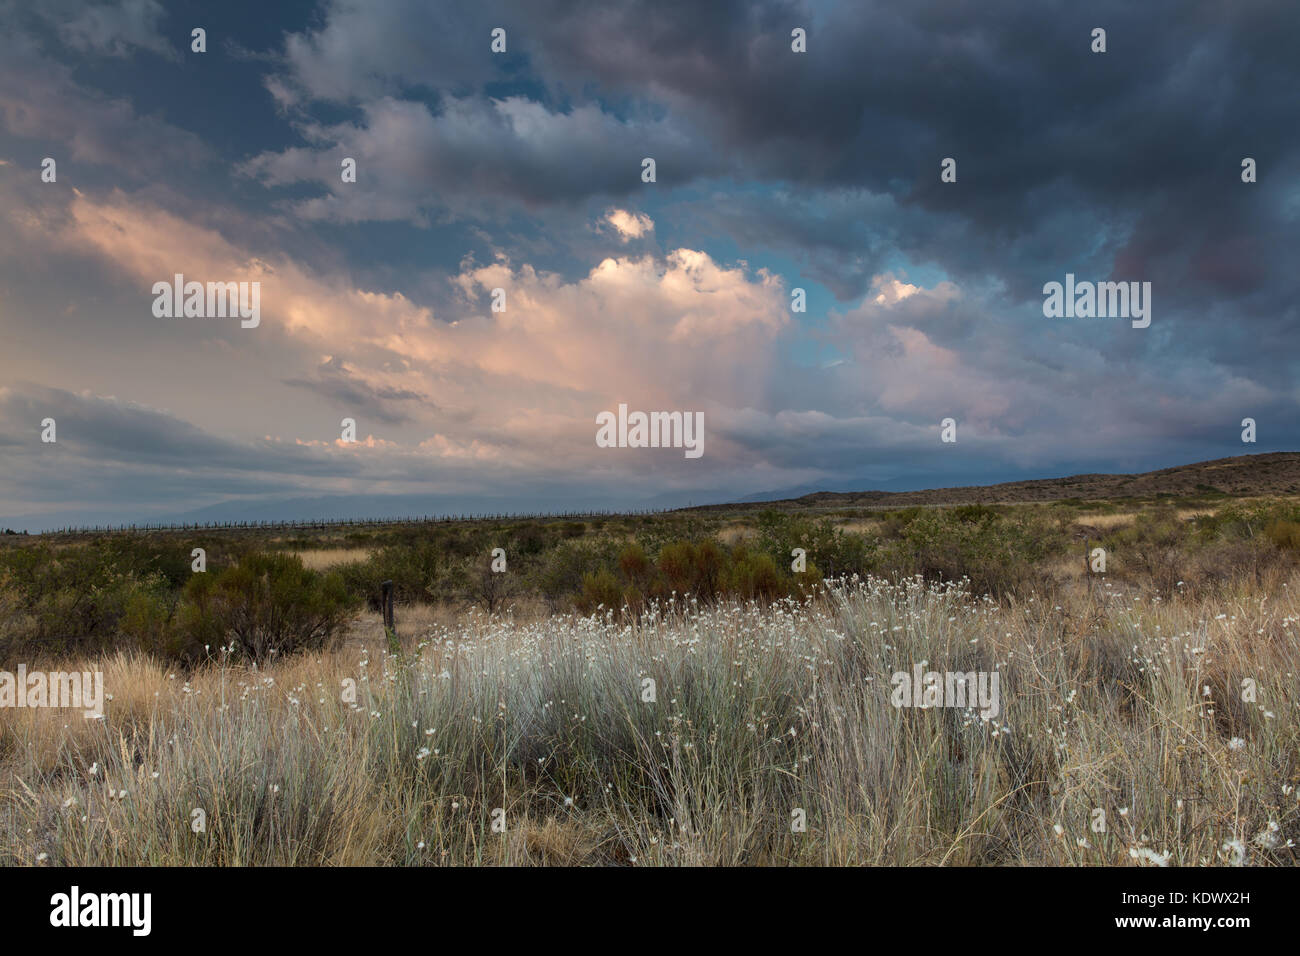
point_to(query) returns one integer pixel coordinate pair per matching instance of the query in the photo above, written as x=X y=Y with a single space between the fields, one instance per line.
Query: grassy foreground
x=1123 y=739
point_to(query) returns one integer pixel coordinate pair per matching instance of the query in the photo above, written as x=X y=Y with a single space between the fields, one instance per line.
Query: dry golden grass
x=1107 y=522
x=413 y=620
x=323 y=559
x=1068 y=567
x=735 y=533
x=860 y=526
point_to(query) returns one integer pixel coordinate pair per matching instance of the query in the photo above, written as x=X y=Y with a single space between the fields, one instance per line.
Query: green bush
x=999 y=554
x=692 y=568
x=561 y=573
x=268 y=604
x=754 y=575
x=80 y=599
x=558 y=576
x=599 y=589
x=412 y=568
x=832 y=549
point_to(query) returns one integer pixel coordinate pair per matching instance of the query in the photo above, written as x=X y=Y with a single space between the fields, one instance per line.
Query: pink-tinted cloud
x=679 y=331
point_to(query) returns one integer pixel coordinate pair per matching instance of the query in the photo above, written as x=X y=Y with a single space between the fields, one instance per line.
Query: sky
x=776 y=169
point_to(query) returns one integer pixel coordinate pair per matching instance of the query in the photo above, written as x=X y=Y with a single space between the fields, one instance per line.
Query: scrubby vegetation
x=668 y=690
x=123 y=593
x=119 y=591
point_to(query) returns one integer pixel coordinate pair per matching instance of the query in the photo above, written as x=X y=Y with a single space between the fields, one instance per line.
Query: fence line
x=322 y=524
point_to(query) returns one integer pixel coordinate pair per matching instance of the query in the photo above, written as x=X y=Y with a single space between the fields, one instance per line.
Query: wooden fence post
x=390 y=626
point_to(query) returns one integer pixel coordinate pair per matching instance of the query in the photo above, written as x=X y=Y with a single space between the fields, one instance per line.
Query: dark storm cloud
x=1124 y=165
x=1126 y=162
x=841 y=238
x=887 y=89
x=475 y=157
x=1146 y=139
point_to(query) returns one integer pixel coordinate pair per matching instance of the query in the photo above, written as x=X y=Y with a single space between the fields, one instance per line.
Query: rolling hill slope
x=1277 y=473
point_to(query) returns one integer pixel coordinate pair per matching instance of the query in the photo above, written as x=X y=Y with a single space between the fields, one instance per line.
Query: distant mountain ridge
x=1274 y=473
